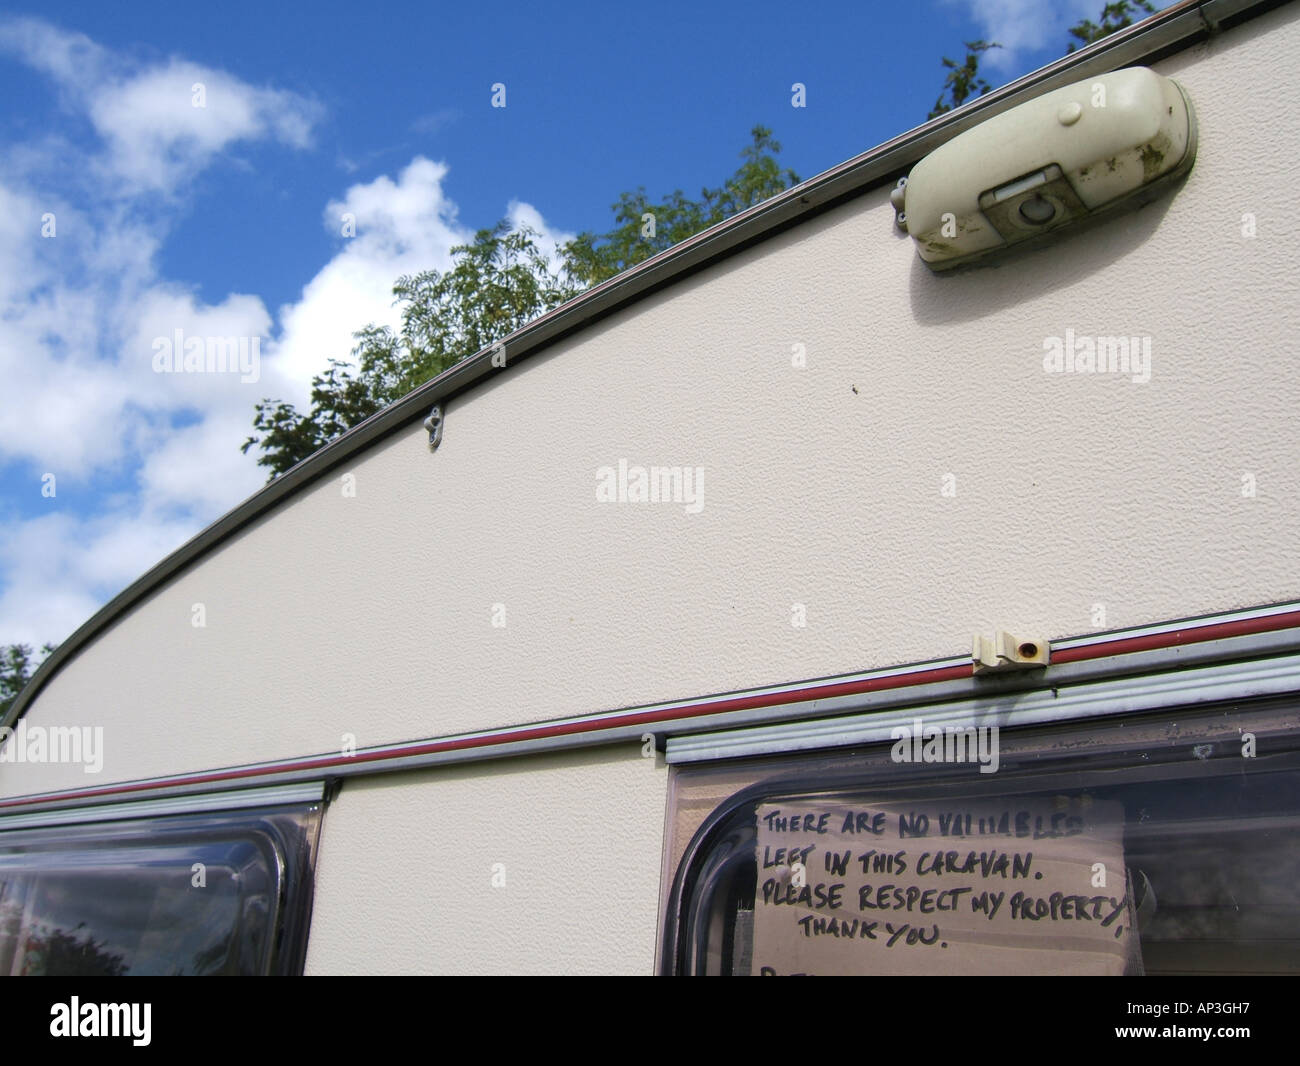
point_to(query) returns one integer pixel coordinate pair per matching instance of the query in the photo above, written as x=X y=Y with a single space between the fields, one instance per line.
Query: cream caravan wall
x=822 y=486
x=545 y=864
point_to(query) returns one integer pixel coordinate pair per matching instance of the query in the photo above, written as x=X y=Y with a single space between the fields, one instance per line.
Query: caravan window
x=197 y=894
x=1167 y=843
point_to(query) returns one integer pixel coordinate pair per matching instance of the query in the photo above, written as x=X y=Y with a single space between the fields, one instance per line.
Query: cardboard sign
x=1032 y=887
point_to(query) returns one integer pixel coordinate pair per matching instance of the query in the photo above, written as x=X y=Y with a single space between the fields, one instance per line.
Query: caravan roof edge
x=1167 y=31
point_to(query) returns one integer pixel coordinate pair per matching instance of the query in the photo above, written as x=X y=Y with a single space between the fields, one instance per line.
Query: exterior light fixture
x=1069 y=155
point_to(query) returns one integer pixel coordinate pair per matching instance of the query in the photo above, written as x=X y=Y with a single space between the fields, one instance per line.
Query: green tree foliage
x=17 y=664
x=644 y=228
x=497 y=283
x=964 y=79
x=1113 y=17
x=339 y=400
x=61 y=953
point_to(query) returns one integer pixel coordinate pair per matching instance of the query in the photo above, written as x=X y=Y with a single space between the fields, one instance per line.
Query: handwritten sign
x=1033 y=887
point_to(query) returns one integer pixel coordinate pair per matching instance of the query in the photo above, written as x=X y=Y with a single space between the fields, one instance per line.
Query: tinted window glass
x=1159 y=844
x=202 y=894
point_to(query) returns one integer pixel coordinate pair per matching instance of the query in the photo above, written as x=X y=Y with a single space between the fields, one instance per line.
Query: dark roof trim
x=1162 y=34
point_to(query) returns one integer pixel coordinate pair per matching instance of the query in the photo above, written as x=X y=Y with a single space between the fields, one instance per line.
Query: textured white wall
x=371 y=615
x=404 y=878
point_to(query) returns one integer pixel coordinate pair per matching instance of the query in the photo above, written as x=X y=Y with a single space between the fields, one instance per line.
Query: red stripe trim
x=1102 y=649
x=1241 y=627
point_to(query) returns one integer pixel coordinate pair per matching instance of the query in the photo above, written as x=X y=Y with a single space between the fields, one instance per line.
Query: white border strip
x=238 y=799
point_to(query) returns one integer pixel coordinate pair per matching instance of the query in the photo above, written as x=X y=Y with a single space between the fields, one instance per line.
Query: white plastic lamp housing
x=1062 y=158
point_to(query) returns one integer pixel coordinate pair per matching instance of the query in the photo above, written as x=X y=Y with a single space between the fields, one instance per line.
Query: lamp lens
x=1036 y=211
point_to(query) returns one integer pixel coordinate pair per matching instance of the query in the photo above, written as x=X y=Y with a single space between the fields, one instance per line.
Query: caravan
x=463 y=698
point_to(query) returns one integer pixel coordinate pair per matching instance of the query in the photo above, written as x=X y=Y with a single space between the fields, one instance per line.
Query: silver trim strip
x=159 y=808
x=1251 y=647
x=1243 y=615
x=1184 y=688
x=1176 y=26
x=1019 y=685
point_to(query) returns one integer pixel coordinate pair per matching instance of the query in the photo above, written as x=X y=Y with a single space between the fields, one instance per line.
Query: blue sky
x=224 y=219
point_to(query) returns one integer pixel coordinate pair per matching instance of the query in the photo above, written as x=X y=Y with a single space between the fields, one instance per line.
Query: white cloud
x=158 y=136
x=160 y=125
x=60 y=396
x=200 y=469
x=1026 y=26
x=60 y=568
x=399 y=227
x=77 y=330
x=72 y=60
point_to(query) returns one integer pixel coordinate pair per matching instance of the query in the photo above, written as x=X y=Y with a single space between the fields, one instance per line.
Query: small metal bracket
x=434 y=425
x=1005 y=652
x=898 y=198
